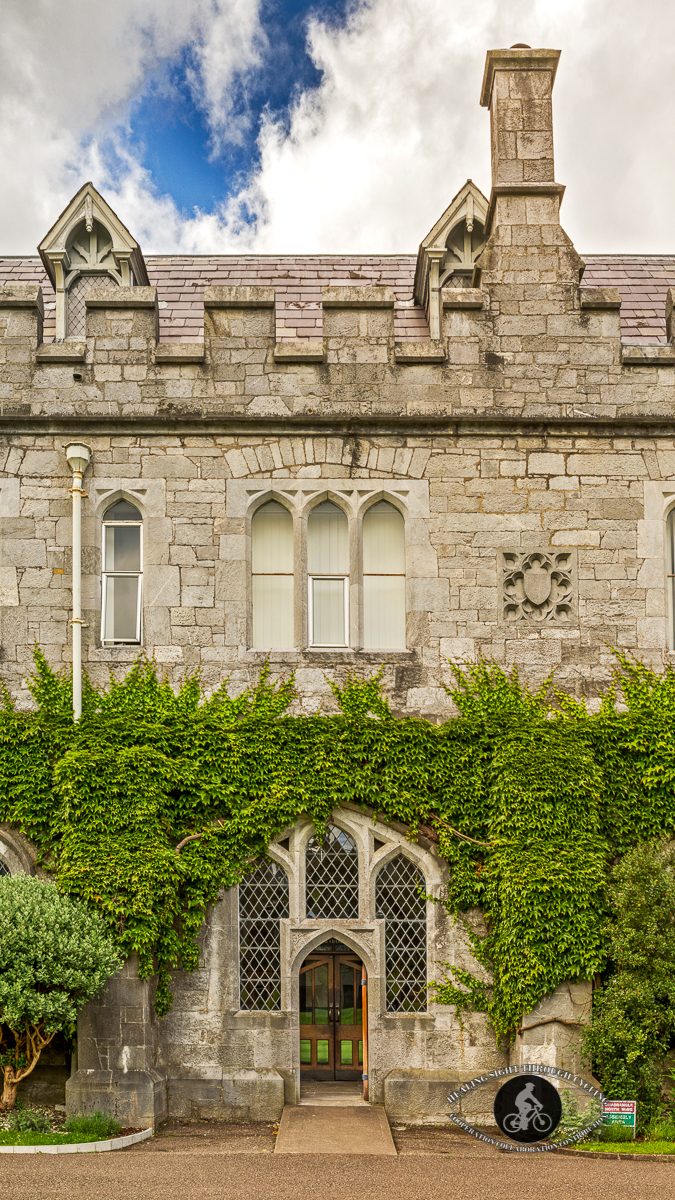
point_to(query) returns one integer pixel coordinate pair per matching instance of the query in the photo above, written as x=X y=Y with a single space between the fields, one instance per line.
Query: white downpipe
x=78 y=456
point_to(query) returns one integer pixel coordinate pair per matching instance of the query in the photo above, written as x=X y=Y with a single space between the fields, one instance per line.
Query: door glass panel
x=360 y=1054
x=346 y=995
x=346 y=1054
x=321 y=995
x=305 y=1052
x=306 y=998
x=322 y=1053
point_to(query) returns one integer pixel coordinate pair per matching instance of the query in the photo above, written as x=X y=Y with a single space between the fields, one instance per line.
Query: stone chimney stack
x=517 y=88
x=525 y=241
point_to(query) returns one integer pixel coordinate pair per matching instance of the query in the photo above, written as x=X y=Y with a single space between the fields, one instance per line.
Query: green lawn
x=46 y=1139
x=631 y=1147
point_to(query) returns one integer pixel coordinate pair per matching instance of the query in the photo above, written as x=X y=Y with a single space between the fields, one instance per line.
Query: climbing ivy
x=157 y=799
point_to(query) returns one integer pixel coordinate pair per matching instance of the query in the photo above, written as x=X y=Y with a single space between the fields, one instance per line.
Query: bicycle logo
x=529 y=1115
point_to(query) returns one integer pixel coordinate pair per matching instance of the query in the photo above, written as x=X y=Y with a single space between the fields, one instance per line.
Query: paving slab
x=320 y=1129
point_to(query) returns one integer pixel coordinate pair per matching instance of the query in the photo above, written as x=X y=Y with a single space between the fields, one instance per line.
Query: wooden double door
x=331 y=1014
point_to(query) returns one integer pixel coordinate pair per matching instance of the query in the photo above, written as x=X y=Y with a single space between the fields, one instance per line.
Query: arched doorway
x=333 y=1014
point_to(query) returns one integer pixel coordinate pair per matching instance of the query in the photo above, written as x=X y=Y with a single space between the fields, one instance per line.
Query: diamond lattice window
x=332 y=876
x=263 y=900
x=4 y=869
x=77 y=311
x=399 y=898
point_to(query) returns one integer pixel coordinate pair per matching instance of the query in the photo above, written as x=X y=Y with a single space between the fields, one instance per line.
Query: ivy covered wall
x=156 y=800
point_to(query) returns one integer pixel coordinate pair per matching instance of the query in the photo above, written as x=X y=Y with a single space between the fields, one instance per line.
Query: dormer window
x=88 y=247
x=449 y=251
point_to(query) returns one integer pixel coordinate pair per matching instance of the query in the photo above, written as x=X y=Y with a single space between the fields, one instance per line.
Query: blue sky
x=170 y=134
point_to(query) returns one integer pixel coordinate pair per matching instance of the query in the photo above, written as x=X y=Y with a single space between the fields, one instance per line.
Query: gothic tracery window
x=399 y=898
x=332 y=876
x=383 y=578
x=272 y=577
x=328 y=567
x=263 y=901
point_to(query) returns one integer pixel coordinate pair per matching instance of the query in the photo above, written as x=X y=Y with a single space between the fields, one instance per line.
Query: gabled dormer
x=88 y=245
x=447 y=255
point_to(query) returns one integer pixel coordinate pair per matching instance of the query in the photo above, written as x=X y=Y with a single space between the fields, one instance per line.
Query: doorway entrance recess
x=332 y=1016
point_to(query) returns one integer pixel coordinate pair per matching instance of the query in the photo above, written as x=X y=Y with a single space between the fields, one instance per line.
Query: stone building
x=337 y=463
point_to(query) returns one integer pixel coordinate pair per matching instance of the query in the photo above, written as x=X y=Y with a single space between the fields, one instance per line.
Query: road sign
x=620 y=1112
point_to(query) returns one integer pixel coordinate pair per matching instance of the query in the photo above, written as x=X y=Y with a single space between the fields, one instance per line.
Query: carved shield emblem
x=537 y=585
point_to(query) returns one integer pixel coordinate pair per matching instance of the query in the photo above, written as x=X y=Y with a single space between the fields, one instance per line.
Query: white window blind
x=122 y=574
x=272 y=570
x=383 y=578
x=328 y=569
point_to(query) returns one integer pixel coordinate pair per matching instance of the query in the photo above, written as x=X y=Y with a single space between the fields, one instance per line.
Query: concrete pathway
x=320 y=1129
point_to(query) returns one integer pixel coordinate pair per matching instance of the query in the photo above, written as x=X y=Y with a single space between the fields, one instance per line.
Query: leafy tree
x=55 y=954
x=634 y=1012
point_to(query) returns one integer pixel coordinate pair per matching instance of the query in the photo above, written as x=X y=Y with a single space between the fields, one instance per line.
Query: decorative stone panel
x=538 y=587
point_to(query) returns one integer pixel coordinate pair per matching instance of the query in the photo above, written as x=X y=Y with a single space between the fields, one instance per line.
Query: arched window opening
x=328 y=568
x=4 y=869
x=332 y=876
x=399 y=899
x=272 y=571
x=383 y=578
x=122 y=575
x=670 y=560
x=263 y=901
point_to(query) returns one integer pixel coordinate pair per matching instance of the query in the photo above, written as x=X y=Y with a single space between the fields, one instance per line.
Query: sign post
x=620 y=1112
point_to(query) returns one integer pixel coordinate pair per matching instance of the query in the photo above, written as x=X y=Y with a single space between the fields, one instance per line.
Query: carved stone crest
x=538 y=587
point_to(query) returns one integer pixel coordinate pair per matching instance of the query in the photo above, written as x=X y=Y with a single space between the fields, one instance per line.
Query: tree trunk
x=34 y=1042
x=9 y=1090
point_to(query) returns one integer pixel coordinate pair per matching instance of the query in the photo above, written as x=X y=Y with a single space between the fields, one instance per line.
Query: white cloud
x=368 y=160
x=376 y=153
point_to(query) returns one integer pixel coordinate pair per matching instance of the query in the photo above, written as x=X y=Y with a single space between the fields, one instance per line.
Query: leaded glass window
x=263 y=900
x=332 y=876
x=4 y=869
x=399 y=898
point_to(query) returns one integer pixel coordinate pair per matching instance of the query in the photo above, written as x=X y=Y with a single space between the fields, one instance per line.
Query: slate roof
x=642 y=280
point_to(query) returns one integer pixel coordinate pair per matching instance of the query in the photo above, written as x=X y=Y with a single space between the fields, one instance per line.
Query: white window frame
x=105 y=575
x=310 y=608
